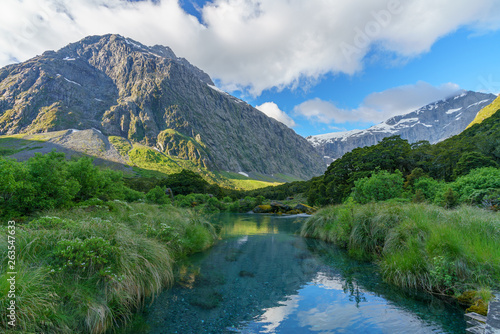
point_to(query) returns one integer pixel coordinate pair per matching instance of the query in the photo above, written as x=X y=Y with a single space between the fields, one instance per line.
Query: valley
x=145 y=198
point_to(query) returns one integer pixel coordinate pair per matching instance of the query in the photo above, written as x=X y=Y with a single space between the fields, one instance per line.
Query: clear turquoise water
x=263 y=278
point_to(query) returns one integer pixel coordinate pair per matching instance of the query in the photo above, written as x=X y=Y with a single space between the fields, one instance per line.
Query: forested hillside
x=478 y=146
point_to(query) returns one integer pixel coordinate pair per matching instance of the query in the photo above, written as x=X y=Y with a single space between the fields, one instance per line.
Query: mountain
x=433 y=122
x=486 y=112
x=150 y=96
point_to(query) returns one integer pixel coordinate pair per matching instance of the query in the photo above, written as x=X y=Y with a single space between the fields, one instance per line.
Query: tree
x=391 y=154
x=51 y=181
x=412 y=177
x=87 y=175
x=450 y=199
x=186 y=182
x=428 y=187
x=472 y=160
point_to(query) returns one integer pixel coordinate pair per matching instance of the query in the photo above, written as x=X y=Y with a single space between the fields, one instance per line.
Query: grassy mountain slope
x=486 y=112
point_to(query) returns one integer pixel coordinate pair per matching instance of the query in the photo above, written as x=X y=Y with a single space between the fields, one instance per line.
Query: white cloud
x=249 y=44
x=377 y=107
x=271 y=109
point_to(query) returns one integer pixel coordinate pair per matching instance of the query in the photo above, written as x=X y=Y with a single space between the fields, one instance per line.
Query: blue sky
x=317 y=66
x=463 y=58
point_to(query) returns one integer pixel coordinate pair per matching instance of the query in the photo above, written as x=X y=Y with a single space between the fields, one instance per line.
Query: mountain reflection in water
x=262 y=278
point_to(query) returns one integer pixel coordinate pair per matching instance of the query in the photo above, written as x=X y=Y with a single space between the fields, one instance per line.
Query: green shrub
x=472 y=187
x=50 y=181
x=201 y=198
x=157 y=196
x=88 y=176
x=450 y=199
x=131 y=195
x=379 y=187
x=234 y=207
x=259 y=200
x=246 y=204
x=428 y=187
x=86 y=257
x=213 y=205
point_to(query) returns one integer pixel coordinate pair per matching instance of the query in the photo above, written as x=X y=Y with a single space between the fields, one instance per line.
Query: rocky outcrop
x=148 y=95
x=434 y=122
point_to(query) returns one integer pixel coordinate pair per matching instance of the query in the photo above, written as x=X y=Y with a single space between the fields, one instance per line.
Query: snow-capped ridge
x=433 y=122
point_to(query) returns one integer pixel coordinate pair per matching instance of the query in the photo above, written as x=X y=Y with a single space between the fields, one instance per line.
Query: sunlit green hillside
x=486 y=112
x=132 y=158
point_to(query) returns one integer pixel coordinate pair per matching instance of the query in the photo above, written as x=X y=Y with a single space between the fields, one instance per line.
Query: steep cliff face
x=434 y=122
x=148 y=95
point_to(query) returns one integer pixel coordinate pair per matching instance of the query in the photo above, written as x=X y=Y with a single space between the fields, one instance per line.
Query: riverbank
x=262 y=277
x=88 y=269
x=447 y=252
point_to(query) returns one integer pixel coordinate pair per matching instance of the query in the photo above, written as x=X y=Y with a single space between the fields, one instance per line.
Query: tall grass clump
x=88 y=269
x=418 y=245
x=333 y=224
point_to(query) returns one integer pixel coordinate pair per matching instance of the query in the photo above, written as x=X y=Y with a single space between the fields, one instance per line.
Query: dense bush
x=157 y=195
x=84 y=257
x=480 y=182
x=50 y=181
x=184 y=183
x=429 y=187
x=380 y=186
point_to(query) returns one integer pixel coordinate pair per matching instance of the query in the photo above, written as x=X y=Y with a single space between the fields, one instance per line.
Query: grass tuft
x=83 y=271
x=418 y=245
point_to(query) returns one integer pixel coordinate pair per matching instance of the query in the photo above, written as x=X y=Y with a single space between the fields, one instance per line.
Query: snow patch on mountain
x=217 y=89
x=451 y=111
x=433 y=122
x=76 y=83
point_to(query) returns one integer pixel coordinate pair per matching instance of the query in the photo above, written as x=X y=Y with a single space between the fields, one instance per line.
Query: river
x=264 y=278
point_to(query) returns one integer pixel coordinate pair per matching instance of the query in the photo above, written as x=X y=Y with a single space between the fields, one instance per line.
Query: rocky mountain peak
x=148 y=95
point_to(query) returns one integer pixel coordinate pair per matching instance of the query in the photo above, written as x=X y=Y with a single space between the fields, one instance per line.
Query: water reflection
x=245 y=224
x=264 y=279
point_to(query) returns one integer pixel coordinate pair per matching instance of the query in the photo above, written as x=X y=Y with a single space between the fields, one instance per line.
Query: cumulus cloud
x=271 y=109
x=251 y=45
x=378 y=107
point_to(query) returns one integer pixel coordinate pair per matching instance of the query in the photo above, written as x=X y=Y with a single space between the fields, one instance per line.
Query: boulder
x=263 y=209
x=304 y=208
x=280 y=207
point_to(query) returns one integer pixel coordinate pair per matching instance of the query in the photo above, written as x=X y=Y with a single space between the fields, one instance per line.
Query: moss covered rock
x=263 y=209
x=304 y=208
x=479 y=307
